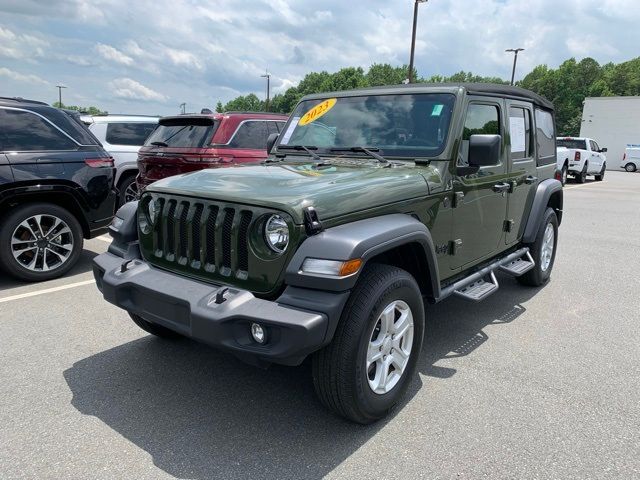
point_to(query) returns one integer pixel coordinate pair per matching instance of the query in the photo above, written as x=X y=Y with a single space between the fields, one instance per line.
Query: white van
x=631 y=158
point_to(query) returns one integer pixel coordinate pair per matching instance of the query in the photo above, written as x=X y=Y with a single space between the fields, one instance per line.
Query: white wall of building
x=613 y=122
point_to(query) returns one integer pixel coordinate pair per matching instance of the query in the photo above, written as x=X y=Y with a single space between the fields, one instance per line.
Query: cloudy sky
x=148 y=56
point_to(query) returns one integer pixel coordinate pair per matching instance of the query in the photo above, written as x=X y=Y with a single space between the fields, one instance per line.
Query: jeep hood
x=332 y=190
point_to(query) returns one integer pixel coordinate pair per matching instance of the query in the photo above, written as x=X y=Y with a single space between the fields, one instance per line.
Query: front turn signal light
x=334 y=268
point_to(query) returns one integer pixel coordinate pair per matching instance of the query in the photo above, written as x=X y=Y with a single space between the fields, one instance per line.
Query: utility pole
x=267 y=75
x=410 y=78
x=60 y=87
x=515 y=60
x=183 y=108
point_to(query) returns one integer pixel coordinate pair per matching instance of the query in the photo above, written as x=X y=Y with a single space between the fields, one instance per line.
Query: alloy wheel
x=131 y=192
x=42 y=243
x=548 y=242
x=389 y=347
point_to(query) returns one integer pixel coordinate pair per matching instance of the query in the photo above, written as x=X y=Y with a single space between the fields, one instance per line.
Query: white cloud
x=130 y=89
x=20 y=46
x=20 y=77
x=183 y=58
x=113 y=54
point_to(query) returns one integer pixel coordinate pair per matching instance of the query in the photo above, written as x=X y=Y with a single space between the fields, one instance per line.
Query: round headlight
x=276 y=233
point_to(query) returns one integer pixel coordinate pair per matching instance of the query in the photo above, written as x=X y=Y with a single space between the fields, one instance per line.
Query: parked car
x=122 y=136
x=631 y=158
x=375 y=204
x=562 y=164
x=585 y=157
x=56 y=188
x=186 y=143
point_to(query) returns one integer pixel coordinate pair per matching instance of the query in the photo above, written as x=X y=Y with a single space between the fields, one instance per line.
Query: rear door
x=597 y=156
x=481 y=198
x=521 y=168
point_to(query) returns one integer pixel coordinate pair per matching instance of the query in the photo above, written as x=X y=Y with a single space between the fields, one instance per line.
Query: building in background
x=613 y=122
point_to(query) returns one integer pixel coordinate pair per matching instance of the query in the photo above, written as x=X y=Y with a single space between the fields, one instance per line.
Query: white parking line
x=583 y=185
x=46 y=290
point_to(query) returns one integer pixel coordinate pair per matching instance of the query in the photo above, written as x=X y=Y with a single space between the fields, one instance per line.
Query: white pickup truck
x=580 y=157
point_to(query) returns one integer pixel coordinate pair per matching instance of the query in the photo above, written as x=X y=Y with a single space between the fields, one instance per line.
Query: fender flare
x=545 y=190
x=363 y=239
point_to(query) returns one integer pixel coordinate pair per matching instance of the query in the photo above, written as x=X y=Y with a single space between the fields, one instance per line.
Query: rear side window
x=252 y=134
x=132 y=133
x=183 y=132
x=545 y=133
x=520 y=133
x=23 y=131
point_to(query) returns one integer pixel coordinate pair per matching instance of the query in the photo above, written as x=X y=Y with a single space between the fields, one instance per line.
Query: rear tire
x=600 y=176
x=582 y=176
x=39 y=241
x=356 y=375
x=539 y=249
x=630 y=167
x=564 y=174
x=128 y=189
x=154 y=328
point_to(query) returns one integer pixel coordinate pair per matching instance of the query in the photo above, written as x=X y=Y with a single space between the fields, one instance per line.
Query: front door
x=522 y=168
x=480 y=199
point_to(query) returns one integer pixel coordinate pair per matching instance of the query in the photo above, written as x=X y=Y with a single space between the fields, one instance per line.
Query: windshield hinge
x=312 y=223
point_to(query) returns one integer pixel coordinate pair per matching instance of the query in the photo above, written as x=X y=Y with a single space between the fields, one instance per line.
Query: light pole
x=267 y=75
x=413 y=38
x=183 y=108
x=60 y=87
x=515 y=60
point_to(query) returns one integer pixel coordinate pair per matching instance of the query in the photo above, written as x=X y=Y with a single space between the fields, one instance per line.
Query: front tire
x=154 y=328
x=543 y=251
x=39 y=241
x=364 y=372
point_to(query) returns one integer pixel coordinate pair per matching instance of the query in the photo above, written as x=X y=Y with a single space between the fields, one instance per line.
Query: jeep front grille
x=203 y=236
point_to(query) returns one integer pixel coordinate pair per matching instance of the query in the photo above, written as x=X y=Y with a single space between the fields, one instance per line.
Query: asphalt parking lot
x=532 y=383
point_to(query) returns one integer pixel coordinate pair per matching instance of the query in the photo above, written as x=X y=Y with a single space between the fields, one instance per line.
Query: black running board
x=479 y=285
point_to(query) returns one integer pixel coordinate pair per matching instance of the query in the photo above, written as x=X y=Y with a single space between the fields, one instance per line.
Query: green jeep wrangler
x=373 y=204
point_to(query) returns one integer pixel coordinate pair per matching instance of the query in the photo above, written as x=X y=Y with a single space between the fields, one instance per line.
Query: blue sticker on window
x=437 y=110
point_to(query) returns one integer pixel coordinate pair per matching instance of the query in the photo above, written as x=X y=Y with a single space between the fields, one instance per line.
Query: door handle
x=530 y=179
x=501 y=187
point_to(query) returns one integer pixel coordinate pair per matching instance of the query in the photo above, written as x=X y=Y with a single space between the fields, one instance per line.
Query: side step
x=481 y=284
x=480 y=289
x=519 y=266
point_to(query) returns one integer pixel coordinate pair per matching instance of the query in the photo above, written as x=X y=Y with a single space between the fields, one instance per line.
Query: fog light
x=258 y=333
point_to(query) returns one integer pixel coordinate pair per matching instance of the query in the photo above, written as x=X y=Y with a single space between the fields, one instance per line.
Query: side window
x=594 y=146
x=128 y=133
x=481 y=120
x=273 y=127
x=520 y=133
x=23 y=131
x=545 y=137
x=252 y=134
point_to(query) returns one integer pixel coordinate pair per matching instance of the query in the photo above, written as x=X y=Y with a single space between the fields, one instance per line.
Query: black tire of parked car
x=22 y=213
x=630 y=167
x=340 y=374
x=600 y=176
x=128 y=190
x=154 y=328
x=537 y=276
x=582 y=176
x=564 y=174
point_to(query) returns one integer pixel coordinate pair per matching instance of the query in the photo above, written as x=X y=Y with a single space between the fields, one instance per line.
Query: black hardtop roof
x=491 y=89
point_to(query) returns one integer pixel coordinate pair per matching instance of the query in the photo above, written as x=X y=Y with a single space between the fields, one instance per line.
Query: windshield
x=414 y=125
x=183 y=132
x=571 y=143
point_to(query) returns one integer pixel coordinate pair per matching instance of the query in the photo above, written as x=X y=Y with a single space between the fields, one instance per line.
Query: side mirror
x=271 y=141
x=603 y=150
x=484 y=150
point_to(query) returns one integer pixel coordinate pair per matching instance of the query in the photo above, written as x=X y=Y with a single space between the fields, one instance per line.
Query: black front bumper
x=189 y=307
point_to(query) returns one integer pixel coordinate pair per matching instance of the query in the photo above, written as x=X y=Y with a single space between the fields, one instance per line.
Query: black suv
x=56 y=188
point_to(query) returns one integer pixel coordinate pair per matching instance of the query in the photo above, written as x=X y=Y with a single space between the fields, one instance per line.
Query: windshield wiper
x=159 y=144
x=371 y=151
x=306 y=148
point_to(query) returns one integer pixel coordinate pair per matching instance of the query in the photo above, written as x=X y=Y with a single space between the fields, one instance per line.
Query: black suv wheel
x=365 y=370
x=39 y=241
